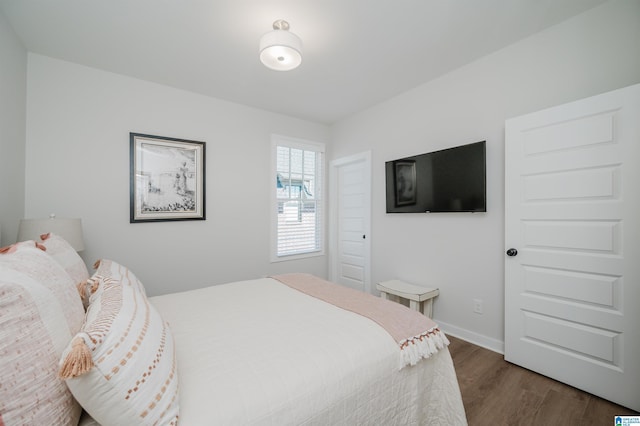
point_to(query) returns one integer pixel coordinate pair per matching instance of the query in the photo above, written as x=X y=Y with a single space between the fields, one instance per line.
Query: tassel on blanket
x=78 y=361
x=422 y=346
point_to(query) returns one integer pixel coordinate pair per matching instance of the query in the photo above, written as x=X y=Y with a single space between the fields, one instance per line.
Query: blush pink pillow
x=40 y=311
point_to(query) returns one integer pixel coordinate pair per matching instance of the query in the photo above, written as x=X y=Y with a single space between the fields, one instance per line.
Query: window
x=298 y=206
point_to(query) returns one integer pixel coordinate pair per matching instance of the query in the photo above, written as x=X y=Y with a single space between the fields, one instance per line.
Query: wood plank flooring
x=495 y=392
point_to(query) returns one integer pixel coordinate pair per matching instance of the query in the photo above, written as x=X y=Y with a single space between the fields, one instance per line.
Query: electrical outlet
x=477 y=306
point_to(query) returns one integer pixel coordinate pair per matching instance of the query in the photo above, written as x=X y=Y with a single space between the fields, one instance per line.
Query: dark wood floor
x=495 y=392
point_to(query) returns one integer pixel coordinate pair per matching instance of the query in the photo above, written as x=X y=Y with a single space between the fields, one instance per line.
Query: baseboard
x=472 y=337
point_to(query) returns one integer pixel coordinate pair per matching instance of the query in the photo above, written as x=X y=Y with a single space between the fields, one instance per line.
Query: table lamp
x=69 y=229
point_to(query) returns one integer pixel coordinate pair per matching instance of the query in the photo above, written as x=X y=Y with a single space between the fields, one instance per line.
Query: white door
x=572 y=291
x=350 y=217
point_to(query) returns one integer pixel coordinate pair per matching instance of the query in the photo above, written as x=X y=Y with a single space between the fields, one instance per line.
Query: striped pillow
x=121 y=366
x=40 y=311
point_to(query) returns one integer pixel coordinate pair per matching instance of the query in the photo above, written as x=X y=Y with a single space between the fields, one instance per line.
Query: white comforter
x=259 y=352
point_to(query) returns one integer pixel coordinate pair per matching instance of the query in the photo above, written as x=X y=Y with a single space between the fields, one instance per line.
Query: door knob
x=512 y=252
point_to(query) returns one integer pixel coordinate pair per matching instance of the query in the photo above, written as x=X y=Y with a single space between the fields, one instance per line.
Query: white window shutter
x=299 y=204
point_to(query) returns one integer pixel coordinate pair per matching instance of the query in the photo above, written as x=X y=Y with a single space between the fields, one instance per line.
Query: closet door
x=350 y=219
x=572 y=264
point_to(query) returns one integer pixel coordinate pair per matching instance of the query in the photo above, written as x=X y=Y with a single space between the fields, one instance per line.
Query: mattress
x=261 y=353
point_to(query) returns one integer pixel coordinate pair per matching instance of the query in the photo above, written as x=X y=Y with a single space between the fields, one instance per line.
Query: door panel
x=590 y=288
x=572 y=191
x=572 y=235
x=350 y=218
x=581 y=184
x=575 y=133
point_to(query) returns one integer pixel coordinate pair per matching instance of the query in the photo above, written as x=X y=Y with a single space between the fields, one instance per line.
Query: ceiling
x=356 y=53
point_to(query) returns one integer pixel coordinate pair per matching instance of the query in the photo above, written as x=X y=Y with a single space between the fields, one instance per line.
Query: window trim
x=280 y=140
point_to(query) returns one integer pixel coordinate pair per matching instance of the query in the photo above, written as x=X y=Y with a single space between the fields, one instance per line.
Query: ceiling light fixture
x=280 y=49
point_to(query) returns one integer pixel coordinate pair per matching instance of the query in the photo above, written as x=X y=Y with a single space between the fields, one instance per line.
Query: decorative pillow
x=39 y=313
x=58 y=248
x=106 y=268
x=121 y=366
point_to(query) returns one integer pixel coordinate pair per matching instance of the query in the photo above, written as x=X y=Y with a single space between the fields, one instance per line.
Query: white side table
x=420 y=298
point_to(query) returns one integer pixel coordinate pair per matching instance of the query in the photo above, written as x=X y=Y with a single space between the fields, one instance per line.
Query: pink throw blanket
x=417 y=335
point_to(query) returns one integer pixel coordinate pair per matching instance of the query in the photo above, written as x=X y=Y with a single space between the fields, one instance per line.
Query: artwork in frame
x=405 y=174
x=167 y=180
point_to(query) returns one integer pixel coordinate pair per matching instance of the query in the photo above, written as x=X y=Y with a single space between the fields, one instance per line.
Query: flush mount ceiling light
x=280 y=49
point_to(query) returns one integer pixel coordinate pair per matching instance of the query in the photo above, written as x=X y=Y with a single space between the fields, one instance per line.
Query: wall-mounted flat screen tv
x=450 y=180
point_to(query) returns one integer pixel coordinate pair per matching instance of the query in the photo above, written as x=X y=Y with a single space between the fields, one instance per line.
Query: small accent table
x=420 y=298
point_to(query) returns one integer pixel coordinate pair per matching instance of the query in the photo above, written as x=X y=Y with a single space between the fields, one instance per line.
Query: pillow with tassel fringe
x=121 y=366
x=40 y=312
x=58 y=248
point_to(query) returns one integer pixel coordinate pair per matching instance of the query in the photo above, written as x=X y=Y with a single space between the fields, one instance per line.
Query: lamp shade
x=280 y=49
x=69 y=229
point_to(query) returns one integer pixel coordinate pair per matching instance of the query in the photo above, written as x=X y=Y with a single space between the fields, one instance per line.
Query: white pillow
x=40 y=311
x=58 y=248
x=121 y=366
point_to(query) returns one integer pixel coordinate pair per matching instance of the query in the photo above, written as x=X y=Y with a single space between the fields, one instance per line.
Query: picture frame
x=405 y=182
x=167 y=179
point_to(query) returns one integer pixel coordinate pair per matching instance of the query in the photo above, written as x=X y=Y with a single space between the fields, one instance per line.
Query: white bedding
x=259 y=352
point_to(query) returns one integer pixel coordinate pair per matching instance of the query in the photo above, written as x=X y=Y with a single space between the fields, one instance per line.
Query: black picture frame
x=167 y=179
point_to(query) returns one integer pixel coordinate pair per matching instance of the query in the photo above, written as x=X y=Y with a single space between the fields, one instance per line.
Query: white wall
x=463 y=254
x=77 y=156
x=13 y=92
x=78 y=124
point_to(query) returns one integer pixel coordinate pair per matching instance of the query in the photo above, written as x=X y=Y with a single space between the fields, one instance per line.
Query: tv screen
x=450 y=180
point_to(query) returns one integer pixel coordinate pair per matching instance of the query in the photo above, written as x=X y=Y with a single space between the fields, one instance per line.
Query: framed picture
x=167 y=179
x=405 y=177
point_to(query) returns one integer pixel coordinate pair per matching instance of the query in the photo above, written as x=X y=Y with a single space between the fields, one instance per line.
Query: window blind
x=299 y=187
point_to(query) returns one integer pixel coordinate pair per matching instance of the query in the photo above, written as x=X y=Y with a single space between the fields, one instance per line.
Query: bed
x=268 y=351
